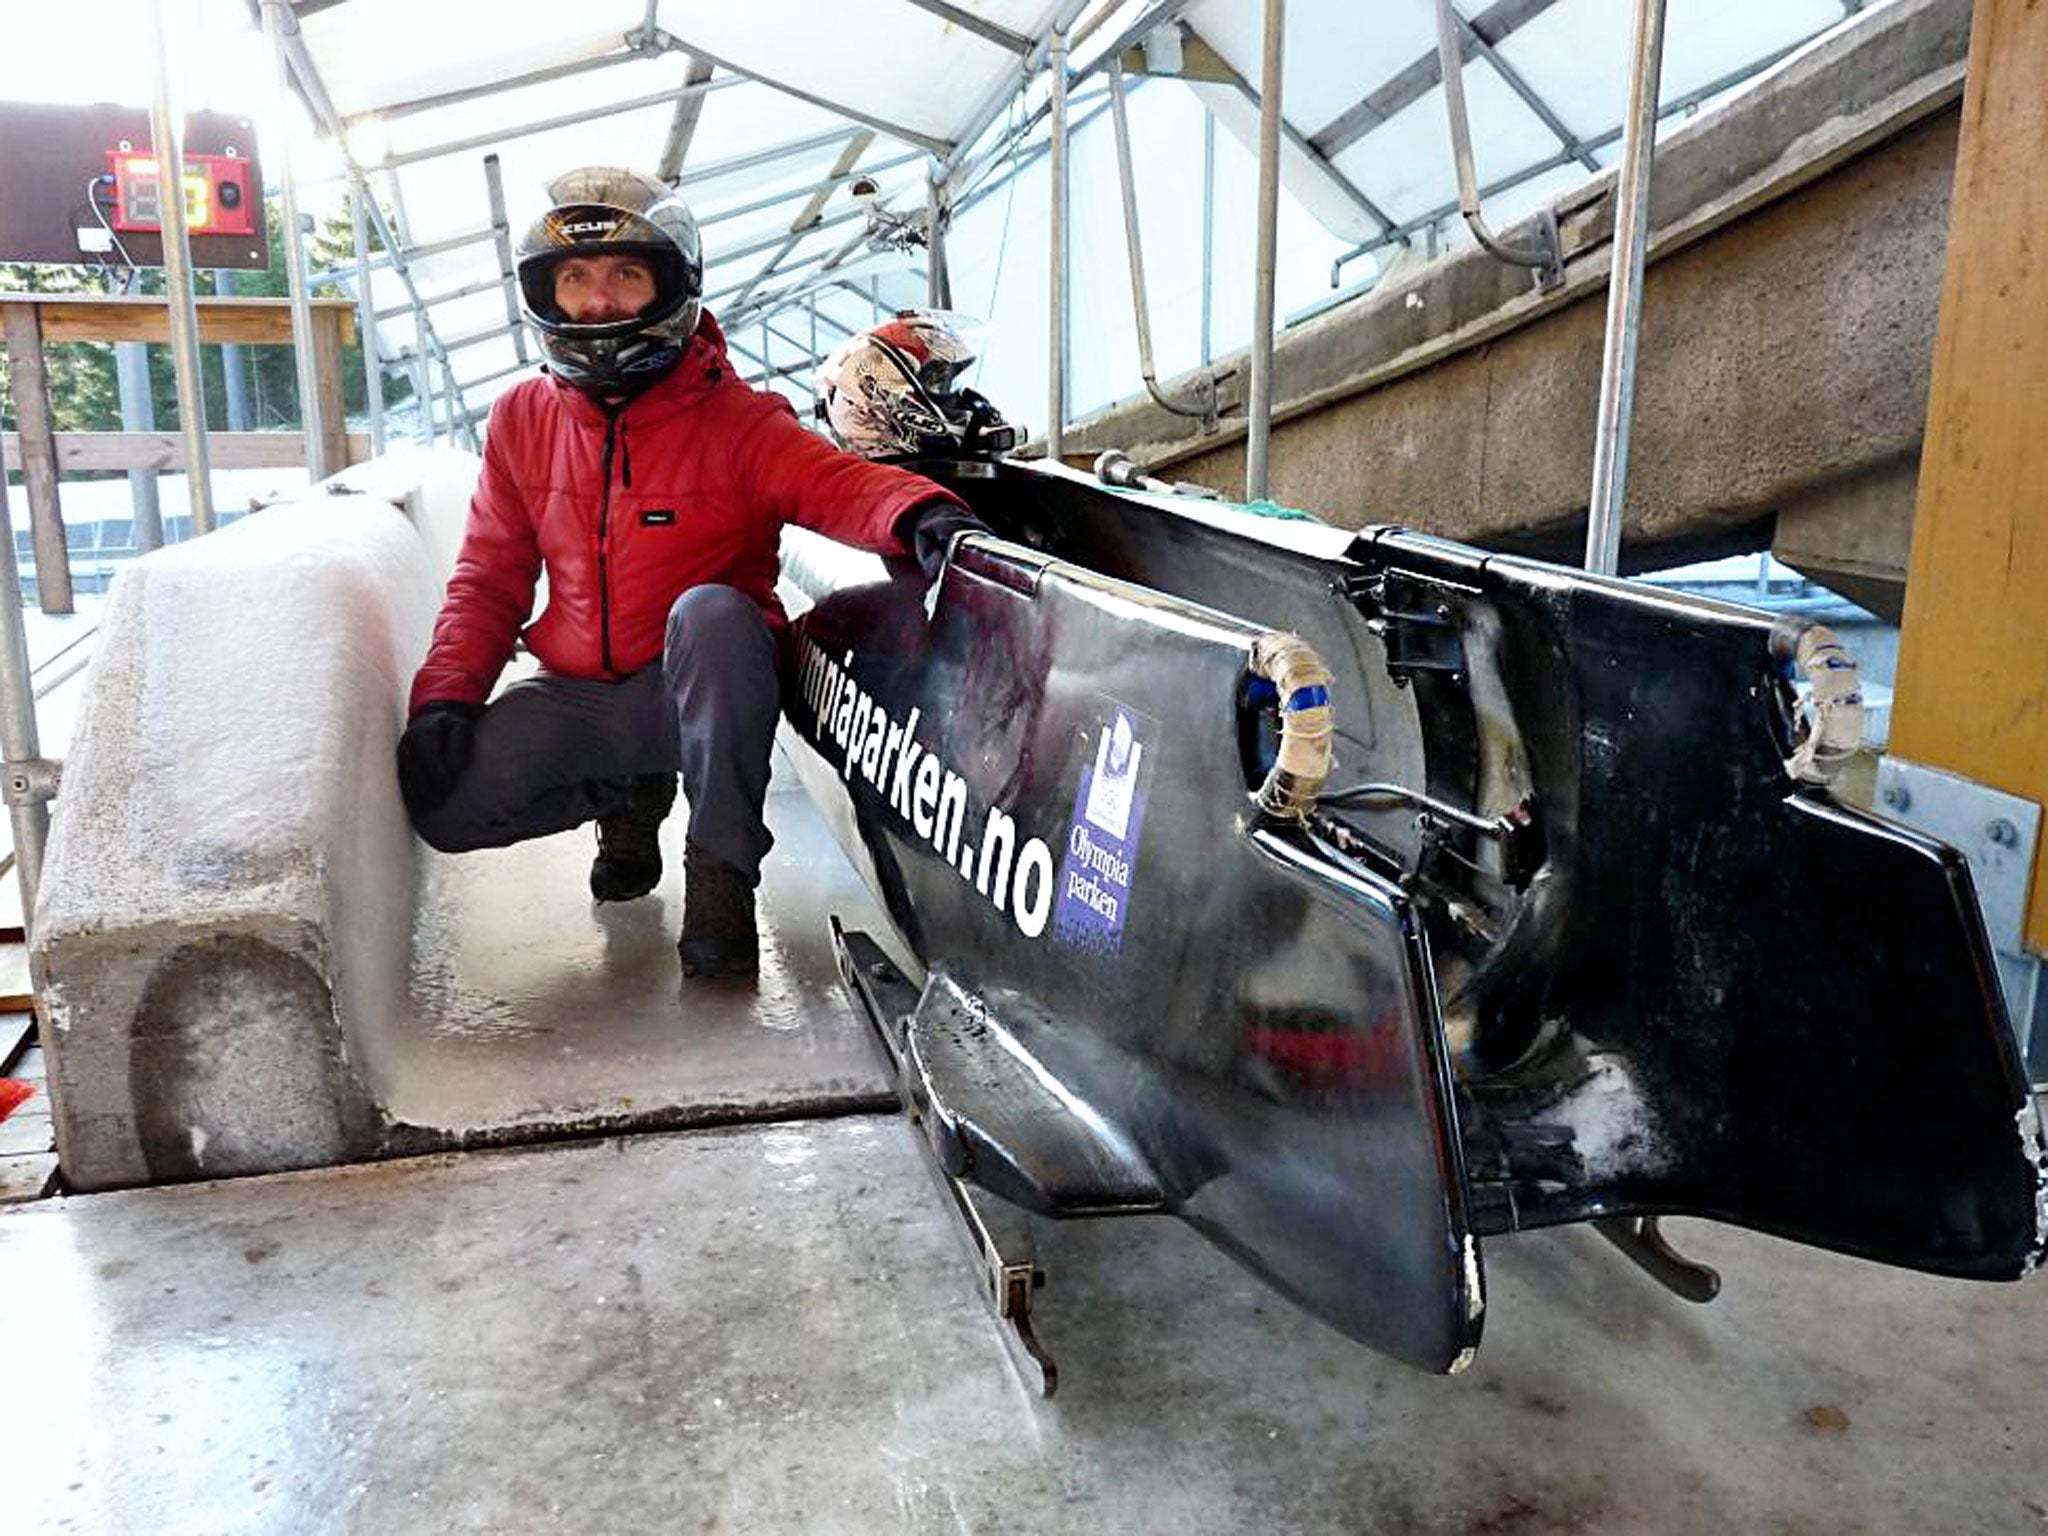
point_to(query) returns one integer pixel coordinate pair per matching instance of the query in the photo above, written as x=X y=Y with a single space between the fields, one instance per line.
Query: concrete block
x=222 y=934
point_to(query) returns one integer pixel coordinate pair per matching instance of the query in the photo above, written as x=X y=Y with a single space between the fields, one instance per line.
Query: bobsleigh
x=1357 y=897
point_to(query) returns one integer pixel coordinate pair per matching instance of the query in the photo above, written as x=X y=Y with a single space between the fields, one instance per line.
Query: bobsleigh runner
x=1358 y=896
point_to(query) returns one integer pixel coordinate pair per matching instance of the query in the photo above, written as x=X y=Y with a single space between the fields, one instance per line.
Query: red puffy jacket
x=690 y=483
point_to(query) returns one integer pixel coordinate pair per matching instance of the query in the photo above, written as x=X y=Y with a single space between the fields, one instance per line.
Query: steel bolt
x=1897 y=798
x=2003 y=833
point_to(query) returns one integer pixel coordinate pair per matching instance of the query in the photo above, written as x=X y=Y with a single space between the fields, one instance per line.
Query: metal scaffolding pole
x=234 y=373
x=474 y=338
x=169 y=136
x=427 y=345
x=1056 y=306
x=28 y=782
x=1625 y=294
x=131 y=376
x=464 y=386
x=1543 y=255
x=392 y=111
x=366 y=316
x=1261 y=406
x=466 y=291
x=396 y=257
x=399 y=251
x=1006 y=90
x=422 y=379
x=938 y=275
x=501 y=234
x=1208 y=236
x=1205 y=410
x=791 y=194
x=276 y=18
x=465 y=417
x=607 y=108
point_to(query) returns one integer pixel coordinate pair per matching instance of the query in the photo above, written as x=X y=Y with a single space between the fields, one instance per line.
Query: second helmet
x=893 y=391
x=607 y=211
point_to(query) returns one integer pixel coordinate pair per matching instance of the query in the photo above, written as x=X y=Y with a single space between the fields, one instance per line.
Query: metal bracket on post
x=1998 y=833
x=32 y=781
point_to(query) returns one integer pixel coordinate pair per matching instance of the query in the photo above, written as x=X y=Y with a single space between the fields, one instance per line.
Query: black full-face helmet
x=605 y=211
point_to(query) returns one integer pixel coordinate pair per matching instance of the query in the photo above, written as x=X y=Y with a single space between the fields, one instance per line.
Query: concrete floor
x=773 y=1328
x=533 y=1006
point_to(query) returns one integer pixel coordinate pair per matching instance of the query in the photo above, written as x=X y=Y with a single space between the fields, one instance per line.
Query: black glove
x=929 y=529
x=434 y=751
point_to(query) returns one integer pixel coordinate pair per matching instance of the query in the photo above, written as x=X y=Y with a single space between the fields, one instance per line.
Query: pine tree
x=84 y=393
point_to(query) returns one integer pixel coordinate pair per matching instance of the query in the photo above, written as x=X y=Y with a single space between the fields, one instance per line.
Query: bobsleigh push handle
x=1830 y=727
x=1303 y=683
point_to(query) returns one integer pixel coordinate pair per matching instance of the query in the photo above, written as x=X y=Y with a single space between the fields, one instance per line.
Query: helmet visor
x=934 y=347
x=598 y=229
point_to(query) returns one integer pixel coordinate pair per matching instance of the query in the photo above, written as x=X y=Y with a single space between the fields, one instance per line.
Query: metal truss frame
x=964 y=170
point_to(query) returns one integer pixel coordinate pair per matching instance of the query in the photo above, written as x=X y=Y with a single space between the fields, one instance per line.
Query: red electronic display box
x=79 y=184
x=217 y=198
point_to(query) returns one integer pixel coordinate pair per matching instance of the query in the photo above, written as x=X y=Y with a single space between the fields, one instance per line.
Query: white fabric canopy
x=777 y=97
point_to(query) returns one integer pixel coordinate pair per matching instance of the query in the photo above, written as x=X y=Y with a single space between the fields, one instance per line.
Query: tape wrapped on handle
x=1306 y=725
x=1833 y=708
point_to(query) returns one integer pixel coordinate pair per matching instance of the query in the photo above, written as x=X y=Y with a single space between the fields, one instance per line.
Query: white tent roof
x=767 y=110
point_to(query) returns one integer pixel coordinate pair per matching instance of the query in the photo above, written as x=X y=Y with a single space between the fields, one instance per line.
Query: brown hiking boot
x=718 y=937
x=628 y=862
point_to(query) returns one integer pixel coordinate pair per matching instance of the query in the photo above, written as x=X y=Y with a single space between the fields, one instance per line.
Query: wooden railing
x=29 y=321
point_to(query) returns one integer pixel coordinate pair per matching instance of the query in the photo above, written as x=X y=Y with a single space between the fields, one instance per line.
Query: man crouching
x=651 y=485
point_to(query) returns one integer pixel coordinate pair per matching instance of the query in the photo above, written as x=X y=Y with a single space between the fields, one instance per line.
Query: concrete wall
x=224 y=926
x=1789 y=316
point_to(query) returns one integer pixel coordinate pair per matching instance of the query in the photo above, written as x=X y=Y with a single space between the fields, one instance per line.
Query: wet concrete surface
x=774 y=1328
x=533 y=1006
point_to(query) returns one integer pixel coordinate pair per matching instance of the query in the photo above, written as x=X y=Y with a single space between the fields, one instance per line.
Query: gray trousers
x=554 y=752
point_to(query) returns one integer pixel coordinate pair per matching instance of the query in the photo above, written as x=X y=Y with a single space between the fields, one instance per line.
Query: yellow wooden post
x=327 y=349
x=1972 y=688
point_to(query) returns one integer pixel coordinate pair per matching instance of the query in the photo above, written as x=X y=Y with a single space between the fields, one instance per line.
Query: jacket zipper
x=604 y=577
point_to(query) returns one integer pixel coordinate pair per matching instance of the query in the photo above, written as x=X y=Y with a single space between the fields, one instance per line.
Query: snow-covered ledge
x=222 y=935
